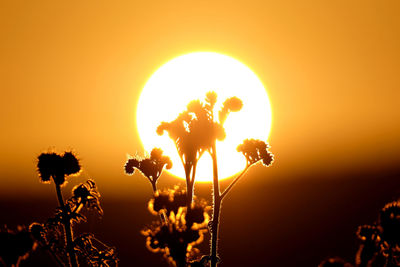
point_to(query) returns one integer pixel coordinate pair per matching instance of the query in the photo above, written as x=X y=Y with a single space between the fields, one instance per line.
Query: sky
x=71 y=74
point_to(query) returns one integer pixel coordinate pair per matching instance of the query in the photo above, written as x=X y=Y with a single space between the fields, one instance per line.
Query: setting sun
x=190 y=77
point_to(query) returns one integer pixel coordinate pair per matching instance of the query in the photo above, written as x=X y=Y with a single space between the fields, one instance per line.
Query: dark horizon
x=282 y=223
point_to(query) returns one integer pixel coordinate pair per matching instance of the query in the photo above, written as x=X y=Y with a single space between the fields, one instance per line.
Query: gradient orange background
x=71 y=74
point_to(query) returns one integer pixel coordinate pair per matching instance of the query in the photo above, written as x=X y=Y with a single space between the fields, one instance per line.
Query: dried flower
x=389 y=223
x=256 y=150
x=232 y=104
x=168 y=201
x=150 y=167
x=177 y=236
x=53 y=165
x=86 y=194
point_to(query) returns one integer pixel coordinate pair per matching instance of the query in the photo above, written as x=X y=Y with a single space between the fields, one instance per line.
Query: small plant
x=56 y=235
x=15 y=245
x=183 y=220
x=379 y=242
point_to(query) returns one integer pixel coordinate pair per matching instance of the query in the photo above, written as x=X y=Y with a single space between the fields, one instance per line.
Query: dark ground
x=279 y=224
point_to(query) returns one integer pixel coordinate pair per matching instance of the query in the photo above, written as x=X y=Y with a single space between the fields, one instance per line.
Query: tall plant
x=194 y=132
x=56 y=235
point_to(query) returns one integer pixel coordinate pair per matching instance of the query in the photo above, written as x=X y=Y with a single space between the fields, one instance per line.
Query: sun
x=190 y=77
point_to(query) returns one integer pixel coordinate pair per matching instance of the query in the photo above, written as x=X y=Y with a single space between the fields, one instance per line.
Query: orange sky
x=71 y=74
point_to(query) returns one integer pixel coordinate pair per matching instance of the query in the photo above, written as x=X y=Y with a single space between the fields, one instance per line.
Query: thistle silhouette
x=150 y=167
x=194 y=132
x=177 y=236
x=380 y=242
x=56 y=235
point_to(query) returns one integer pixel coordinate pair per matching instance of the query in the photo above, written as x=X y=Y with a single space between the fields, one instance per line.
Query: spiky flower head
x=37 y=231
x=87 y=195
x=195 y=130
x=211 y=98
x=389 y=223
x=57 y=166
x=256 y=150
x=151 y=167
x=367 y=233
x=232 y=104
x=168 y=201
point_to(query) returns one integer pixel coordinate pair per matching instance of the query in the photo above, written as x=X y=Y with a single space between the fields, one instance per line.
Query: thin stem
x=68 y=230
x=216 y=210
x=193 y=173
x=163 y=217
x=226 y=191
x=53 y=255
x=78 y=208
x=153 y=186
x=189 y=186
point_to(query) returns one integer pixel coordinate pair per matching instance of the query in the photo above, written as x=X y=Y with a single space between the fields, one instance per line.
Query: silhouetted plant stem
x=216 y=209
x=190 y=173
x=163 y=217
x=68 y=231
x=54 y=256
x=154 y=186
x=226 y=191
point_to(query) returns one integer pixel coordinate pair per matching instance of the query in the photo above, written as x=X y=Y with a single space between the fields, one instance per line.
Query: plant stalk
x=216 y=209
x=163 y=216
x=68 y=230
x=226 y=191
x=189 y=187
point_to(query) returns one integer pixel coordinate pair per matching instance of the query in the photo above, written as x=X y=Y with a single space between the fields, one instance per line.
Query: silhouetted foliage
x=96 y=253
x=53 y=165
x=167 y=201
x=256 y=150
x=380 y=242
x=150 y=167
x=184 y=220
x=56 y=235
x=176 y=237
x=15 y=246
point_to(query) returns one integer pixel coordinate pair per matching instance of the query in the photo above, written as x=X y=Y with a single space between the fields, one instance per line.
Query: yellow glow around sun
x=190 y=77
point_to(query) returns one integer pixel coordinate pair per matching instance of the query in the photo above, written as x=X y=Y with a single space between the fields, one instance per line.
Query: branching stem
x=216 y=209
x=163 y=217
x=68 y=230
x=226 y=191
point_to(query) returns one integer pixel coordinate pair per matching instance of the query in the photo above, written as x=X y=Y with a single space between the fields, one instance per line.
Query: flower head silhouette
x=56 y=235
x=56 y=166
x=167 y=201
x=86 y=195
x=195 y=131
x=150 y=167
x=389 y=222
x=176 y=237
x=254 y=151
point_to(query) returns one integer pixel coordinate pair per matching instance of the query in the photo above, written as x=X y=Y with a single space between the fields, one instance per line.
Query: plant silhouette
x=379 y=242
x=194 y=132
x=15 y=245
x=56 y=235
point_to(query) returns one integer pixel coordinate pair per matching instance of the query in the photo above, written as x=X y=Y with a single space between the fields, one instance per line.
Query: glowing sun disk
x=190 y=77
